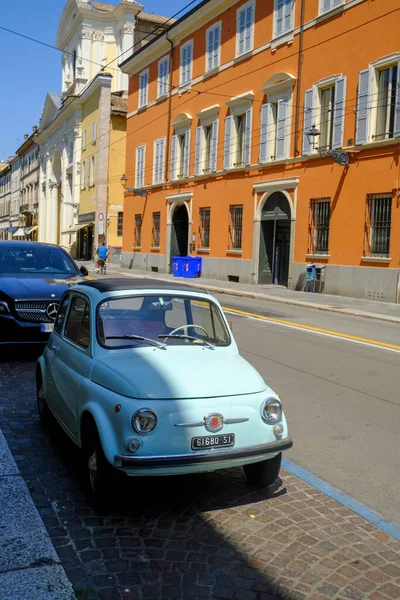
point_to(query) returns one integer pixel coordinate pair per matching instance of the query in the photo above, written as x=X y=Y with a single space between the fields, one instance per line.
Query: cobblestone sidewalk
x=209 y=536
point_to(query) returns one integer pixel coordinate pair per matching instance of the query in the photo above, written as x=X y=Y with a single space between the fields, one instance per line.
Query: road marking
x=325 y=332
x=366 y=513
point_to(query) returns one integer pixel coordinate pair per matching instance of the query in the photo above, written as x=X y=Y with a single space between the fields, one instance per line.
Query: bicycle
x=103 y=266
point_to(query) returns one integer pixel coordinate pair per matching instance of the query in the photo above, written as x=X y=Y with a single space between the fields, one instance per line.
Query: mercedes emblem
x=52 y=310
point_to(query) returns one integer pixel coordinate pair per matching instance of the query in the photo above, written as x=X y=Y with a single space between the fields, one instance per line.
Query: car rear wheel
x=100 y=474
x=263 y=473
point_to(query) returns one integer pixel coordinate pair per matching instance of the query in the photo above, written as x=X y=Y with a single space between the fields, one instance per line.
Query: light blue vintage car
x=146 y=378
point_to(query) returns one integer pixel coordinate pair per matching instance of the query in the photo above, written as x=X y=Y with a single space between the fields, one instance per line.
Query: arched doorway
x=275 y=240
x=180 y=232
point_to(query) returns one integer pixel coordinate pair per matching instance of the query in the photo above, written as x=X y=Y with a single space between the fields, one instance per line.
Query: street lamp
x=139 y=191
x=339 y=156
x=124 y=180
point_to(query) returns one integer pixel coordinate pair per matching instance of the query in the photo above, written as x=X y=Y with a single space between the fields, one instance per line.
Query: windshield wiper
x=188 y=337
x=137 y=337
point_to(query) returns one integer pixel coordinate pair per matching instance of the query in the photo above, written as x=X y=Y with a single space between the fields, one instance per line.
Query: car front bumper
x=13 y=331
x=209 y=460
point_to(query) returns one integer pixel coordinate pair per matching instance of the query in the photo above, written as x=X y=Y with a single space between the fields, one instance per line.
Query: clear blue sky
x=31 y=70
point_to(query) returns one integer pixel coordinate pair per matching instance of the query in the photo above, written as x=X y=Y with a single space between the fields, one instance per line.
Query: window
x=143 y=88
x=84 y=174
x=77 y=328
x=326 y=5
x=284 y=10
x=62 y=313
x=94 y=132
x=140 y=162
x=318 y=226
x=159 y=150
x=274 y=130
x=93 y=170
x=245 y=29
x=180 y=155
x=84 y=140
x=324 y=108
x=137 y=233
x=186 y=63
x=378 y=222
x=235 y=227
x=89 y=173
x=120 y=223
x=206 y=148
x=387 y=80
x=237 y=146
x=213 y=43
x=204 y=229
x=163 y=72
x=155 y=242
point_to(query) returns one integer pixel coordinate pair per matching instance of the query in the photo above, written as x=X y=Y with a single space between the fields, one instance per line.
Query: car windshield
x=168 y=320
x=31 y=260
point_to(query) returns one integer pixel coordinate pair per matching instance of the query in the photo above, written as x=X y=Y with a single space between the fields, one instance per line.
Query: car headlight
x=144 y=421
x=271 y=410
x=4 y=308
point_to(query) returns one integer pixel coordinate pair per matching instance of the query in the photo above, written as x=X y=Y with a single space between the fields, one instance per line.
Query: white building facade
x=91 y=35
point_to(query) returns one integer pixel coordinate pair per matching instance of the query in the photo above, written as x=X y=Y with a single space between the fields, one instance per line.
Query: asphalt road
x=341 y=396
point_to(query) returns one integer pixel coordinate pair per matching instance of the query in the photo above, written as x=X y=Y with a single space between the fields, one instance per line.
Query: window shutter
x=281 y=130
x=247 y=137
x=186 y=159
x=217 y=42
x=156 y=177
x=214 y=145
x=249 y=28
x=326 y=5
x=173 y=157
x=89 y=173
x=197 y=161
x=94 y=132
x=338 y=113
x=228 y=142
x=265 y=120
x=288 y=15
x=363 y=101
x=279 y=17
x=337 y=2
x=308 y=119
x=242 y=26
x=210 y=49
x=162 y=160
x=397 y=109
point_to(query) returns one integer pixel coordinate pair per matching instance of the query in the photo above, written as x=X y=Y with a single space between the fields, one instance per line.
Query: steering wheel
x=185 y=328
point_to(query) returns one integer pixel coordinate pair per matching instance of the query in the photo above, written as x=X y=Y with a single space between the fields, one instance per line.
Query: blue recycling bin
x=192 y=267
x=177 y=266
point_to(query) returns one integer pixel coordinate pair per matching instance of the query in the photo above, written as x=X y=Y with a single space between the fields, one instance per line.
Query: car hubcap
x=92 y=465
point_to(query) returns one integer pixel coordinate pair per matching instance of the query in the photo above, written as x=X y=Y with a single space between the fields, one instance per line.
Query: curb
x=28 y=559
x=269 y=298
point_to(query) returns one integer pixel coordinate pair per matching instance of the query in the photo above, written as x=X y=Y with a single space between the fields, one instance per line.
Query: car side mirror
x=84 y=271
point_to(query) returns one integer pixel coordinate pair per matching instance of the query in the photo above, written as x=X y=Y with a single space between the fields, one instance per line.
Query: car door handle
x=56 y=348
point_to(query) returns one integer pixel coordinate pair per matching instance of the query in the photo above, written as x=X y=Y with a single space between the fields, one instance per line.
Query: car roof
x=120 y=284
x=26 y=244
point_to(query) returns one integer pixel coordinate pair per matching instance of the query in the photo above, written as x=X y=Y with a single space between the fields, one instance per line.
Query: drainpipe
x=169 y=106
x=297 y=152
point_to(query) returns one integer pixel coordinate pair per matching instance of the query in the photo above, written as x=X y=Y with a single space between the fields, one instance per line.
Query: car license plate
x=46 y=327
x=213 y=441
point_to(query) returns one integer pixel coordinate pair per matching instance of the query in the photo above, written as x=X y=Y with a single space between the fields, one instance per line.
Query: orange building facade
x=264 y=136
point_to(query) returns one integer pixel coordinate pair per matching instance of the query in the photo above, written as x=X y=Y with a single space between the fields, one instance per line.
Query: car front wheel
x=100 y=474
x=263 y=473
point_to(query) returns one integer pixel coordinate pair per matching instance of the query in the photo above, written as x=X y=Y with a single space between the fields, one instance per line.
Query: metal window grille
x=205 y=227
x=156 y=230
x=378 y=222
x=318 y=227
x=138 y=231
x=235 y=227
x=120 y=223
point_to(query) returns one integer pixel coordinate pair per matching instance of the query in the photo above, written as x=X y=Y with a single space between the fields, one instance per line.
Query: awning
x=3 y=229
x=20 y=232
x=78 y=227
x=12 y=229
x=31 y=229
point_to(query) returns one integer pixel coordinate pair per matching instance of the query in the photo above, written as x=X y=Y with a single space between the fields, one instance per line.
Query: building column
x=102 y=167
x=256 y=250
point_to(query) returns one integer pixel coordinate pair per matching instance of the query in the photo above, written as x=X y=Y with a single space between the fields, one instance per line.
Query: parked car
x=146 y=379
x=33 y=277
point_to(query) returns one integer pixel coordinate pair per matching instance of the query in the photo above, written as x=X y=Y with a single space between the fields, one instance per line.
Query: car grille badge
x=214 y=422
